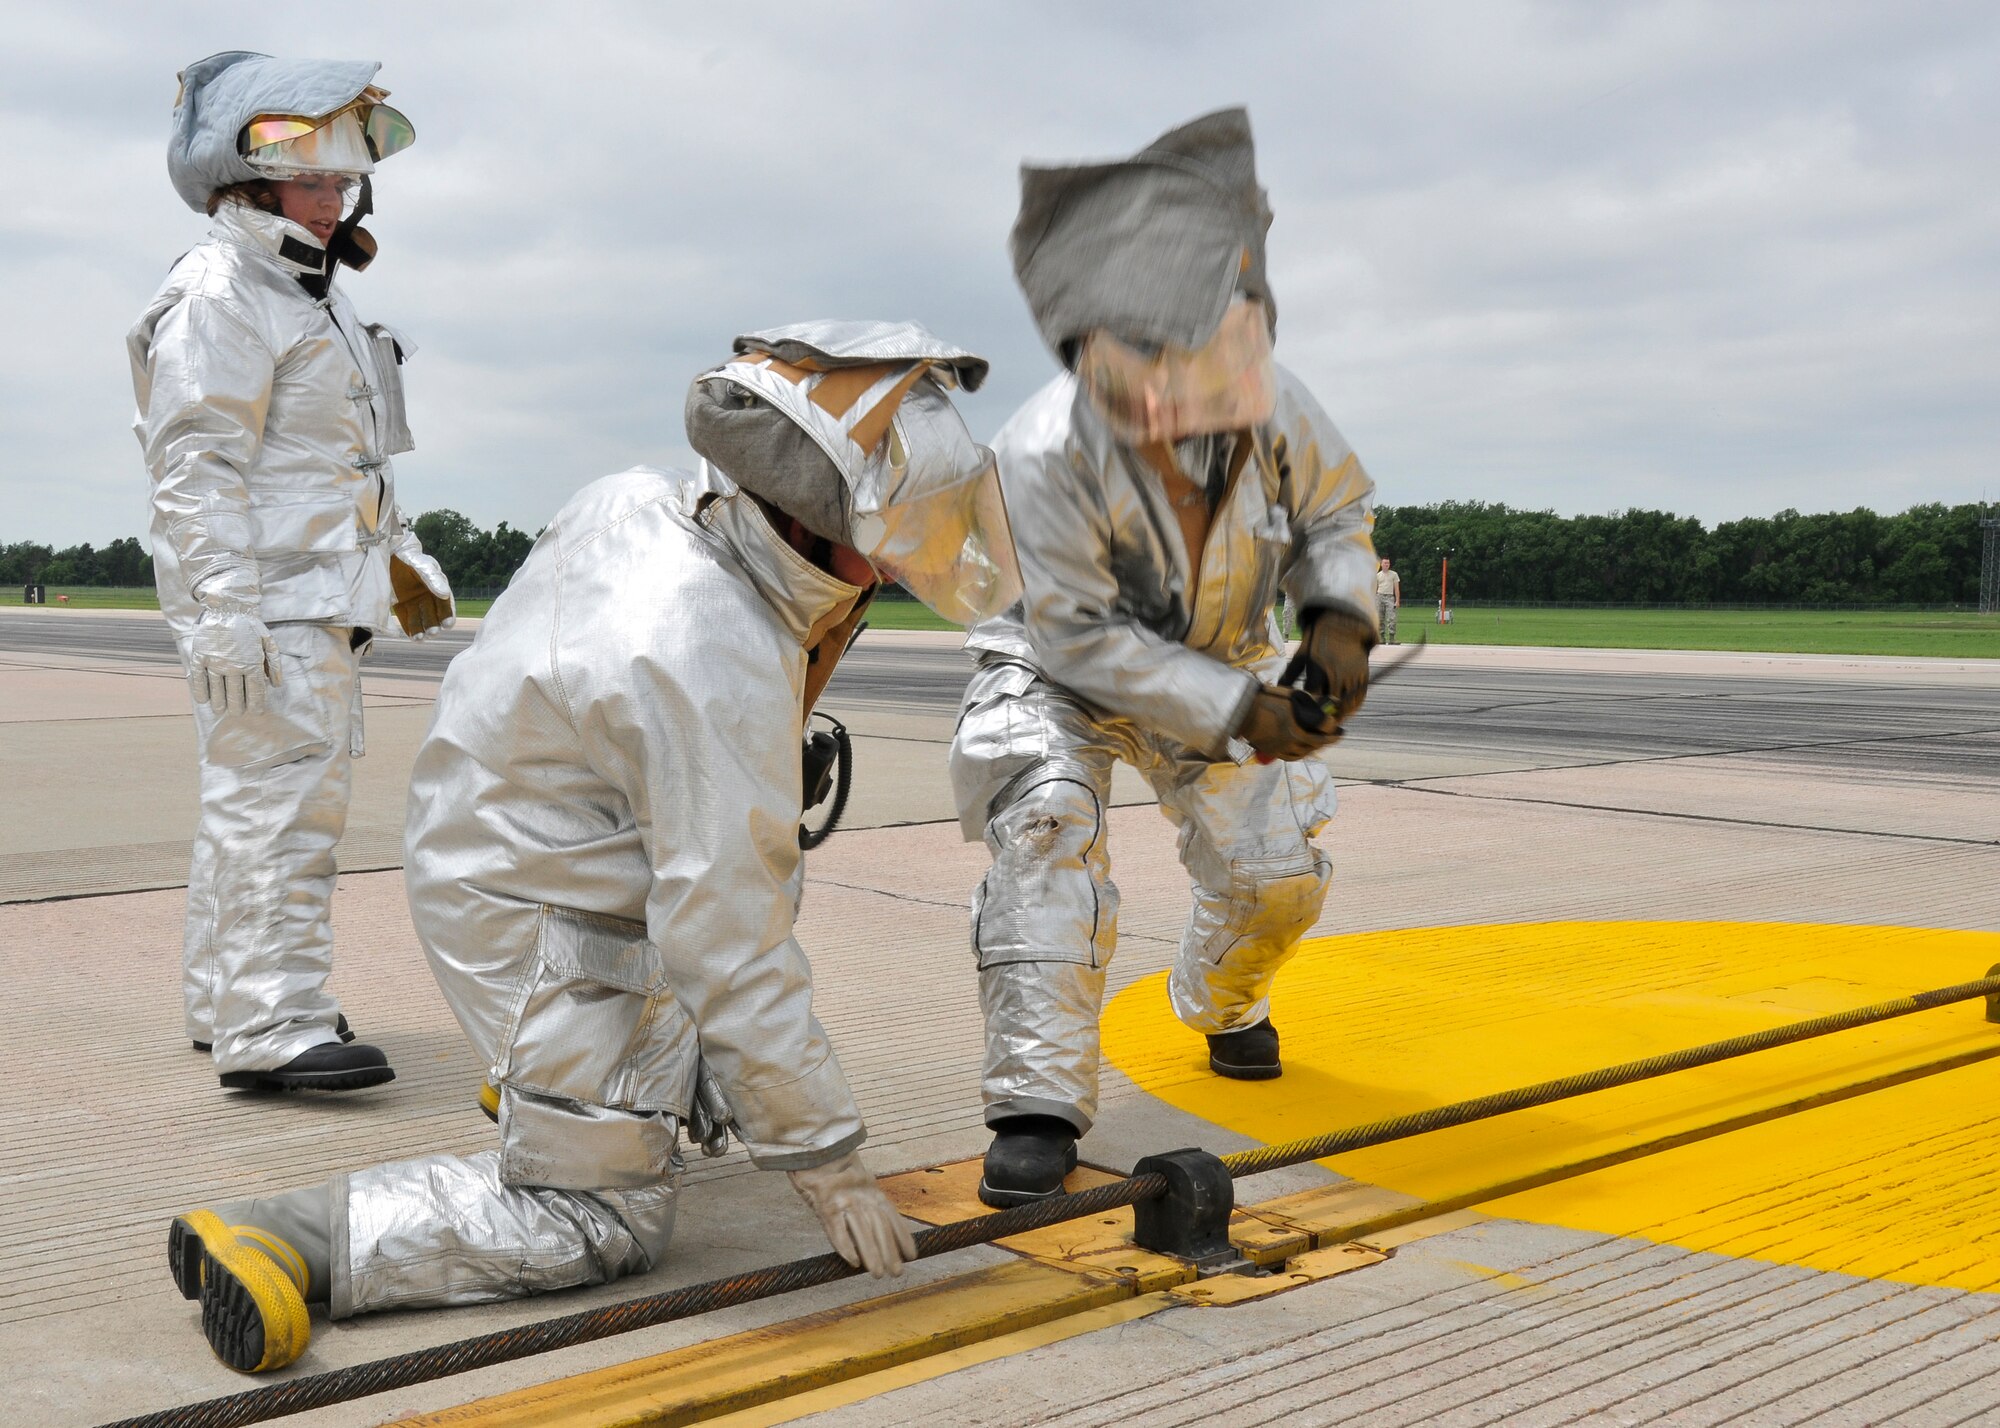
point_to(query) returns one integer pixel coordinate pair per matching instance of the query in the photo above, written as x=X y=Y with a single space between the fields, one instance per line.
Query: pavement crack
x=1412 y=787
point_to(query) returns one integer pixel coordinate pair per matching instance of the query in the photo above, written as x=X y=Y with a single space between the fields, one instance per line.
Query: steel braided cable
x=422 y=1365
x=1458 y=1113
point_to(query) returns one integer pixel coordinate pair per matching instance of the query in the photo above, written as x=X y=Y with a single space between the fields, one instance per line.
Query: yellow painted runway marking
x=1894 y=1185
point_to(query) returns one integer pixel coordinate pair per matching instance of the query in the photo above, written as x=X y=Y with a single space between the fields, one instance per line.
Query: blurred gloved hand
x=1332 y=662
x=1273 y=727
x=862 y=1226
x=423 y=602
x=231 y=660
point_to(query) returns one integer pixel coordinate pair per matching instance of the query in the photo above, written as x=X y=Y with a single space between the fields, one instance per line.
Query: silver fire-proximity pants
x=274 y=790
x=449 y=1229
x=1045 y=917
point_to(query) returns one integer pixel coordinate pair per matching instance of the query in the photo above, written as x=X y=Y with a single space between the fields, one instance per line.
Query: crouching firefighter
x=1165 y=489
x=603 y=857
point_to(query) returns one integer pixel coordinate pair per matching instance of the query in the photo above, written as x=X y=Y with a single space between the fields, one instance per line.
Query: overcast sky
x=1718 y=259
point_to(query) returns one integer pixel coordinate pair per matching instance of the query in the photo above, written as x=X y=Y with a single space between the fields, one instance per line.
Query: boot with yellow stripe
x=255 y=1265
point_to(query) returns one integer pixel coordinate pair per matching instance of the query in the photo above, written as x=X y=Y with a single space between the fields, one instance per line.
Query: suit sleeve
x=1332 y=509
x=205 y=381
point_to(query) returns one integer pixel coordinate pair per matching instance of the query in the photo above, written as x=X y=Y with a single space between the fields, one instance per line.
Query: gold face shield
x=351 y=140
x=1226 y=384
x=922 y=497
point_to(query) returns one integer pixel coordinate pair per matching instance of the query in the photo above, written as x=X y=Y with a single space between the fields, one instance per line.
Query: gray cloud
x=1715 y=258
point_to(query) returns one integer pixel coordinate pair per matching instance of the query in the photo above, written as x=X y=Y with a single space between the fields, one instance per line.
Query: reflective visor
x=1225 y=385
x=351 y=140
x=259 y=132
x=388 y=131
x=929 y=513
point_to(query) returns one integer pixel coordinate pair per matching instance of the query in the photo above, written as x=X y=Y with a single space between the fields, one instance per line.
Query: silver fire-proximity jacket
x=1109 y=610
x=603 y=855
x=268 y=419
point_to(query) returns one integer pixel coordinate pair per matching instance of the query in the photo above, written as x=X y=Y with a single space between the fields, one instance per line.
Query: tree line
x=472 y=558
x=1927 y=555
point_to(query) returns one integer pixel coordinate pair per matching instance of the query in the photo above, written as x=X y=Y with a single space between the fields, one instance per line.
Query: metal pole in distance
x=1458 y=1113
x=1989 y=565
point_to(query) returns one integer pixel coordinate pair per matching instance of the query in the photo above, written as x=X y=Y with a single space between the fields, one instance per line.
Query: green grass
x=91 y=597
x=1957 y=634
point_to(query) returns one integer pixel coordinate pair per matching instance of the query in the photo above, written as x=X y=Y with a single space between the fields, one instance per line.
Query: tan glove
x=423 y=602
x=1332 y=662
x=1272 y=725
x=861 y=1225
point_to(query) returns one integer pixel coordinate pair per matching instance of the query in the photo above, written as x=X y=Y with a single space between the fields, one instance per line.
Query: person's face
x=314 y=201
x=1385 y=562
x=840 y=561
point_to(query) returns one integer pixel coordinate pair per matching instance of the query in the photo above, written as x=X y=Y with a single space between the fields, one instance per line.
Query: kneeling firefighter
x=1165 y=489
x=269 y=414
x=603 y=858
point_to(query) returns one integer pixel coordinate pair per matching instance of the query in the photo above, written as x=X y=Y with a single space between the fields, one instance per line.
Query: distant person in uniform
x=1388 y=595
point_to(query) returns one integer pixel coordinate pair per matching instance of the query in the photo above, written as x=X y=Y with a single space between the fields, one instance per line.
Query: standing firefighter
x=268 y=413
x=1164 y=490
x=603 y=855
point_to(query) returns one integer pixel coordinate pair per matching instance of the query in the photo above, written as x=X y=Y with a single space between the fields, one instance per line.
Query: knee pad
x=1277 y=905
x=1048 y=896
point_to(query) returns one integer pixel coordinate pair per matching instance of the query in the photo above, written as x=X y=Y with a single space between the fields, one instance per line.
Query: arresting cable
x=320 y=1390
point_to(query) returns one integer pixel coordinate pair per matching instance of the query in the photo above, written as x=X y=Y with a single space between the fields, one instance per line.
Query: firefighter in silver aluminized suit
x=603 y=857
x=268 y=413
x=1164 y=490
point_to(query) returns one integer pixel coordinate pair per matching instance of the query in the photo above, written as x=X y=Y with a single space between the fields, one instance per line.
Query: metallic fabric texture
x=1152 y=248
x=221 y=94
x=1124 y=647
x=602 y=848
x=1112 y=611
x=1045 y=916
x=268 y=419
x=446 y=1229
x=274 y=788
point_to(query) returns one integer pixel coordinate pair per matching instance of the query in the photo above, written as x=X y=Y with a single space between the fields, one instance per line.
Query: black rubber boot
x=1027 y=1161
x=340 y=1026
x=331 y=1066
x=1247 y=1054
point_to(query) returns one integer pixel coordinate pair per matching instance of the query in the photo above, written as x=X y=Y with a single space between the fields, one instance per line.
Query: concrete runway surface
x=1487 y=788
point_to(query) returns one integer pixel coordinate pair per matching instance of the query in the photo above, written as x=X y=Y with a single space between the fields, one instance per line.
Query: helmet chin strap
x=351 y=243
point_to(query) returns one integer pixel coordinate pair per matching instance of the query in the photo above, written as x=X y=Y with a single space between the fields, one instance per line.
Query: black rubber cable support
x=298 y=1395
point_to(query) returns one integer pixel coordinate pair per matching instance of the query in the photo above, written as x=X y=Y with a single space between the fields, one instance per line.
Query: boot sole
x=358 y=1080
x=1245 y=1073
x=251 y=1313
x=1008 y=1199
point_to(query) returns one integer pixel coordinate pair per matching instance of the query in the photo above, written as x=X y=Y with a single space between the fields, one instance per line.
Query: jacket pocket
x=599 y=1024
x=390 y=352
x=298 y=522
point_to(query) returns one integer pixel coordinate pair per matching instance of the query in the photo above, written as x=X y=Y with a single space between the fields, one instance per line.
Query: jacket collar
x=807 y=599
x=290 y=245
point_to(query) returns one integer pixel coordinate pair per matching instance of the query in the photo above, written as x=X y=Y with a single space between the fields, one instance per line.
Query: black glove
x=1332 y=663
